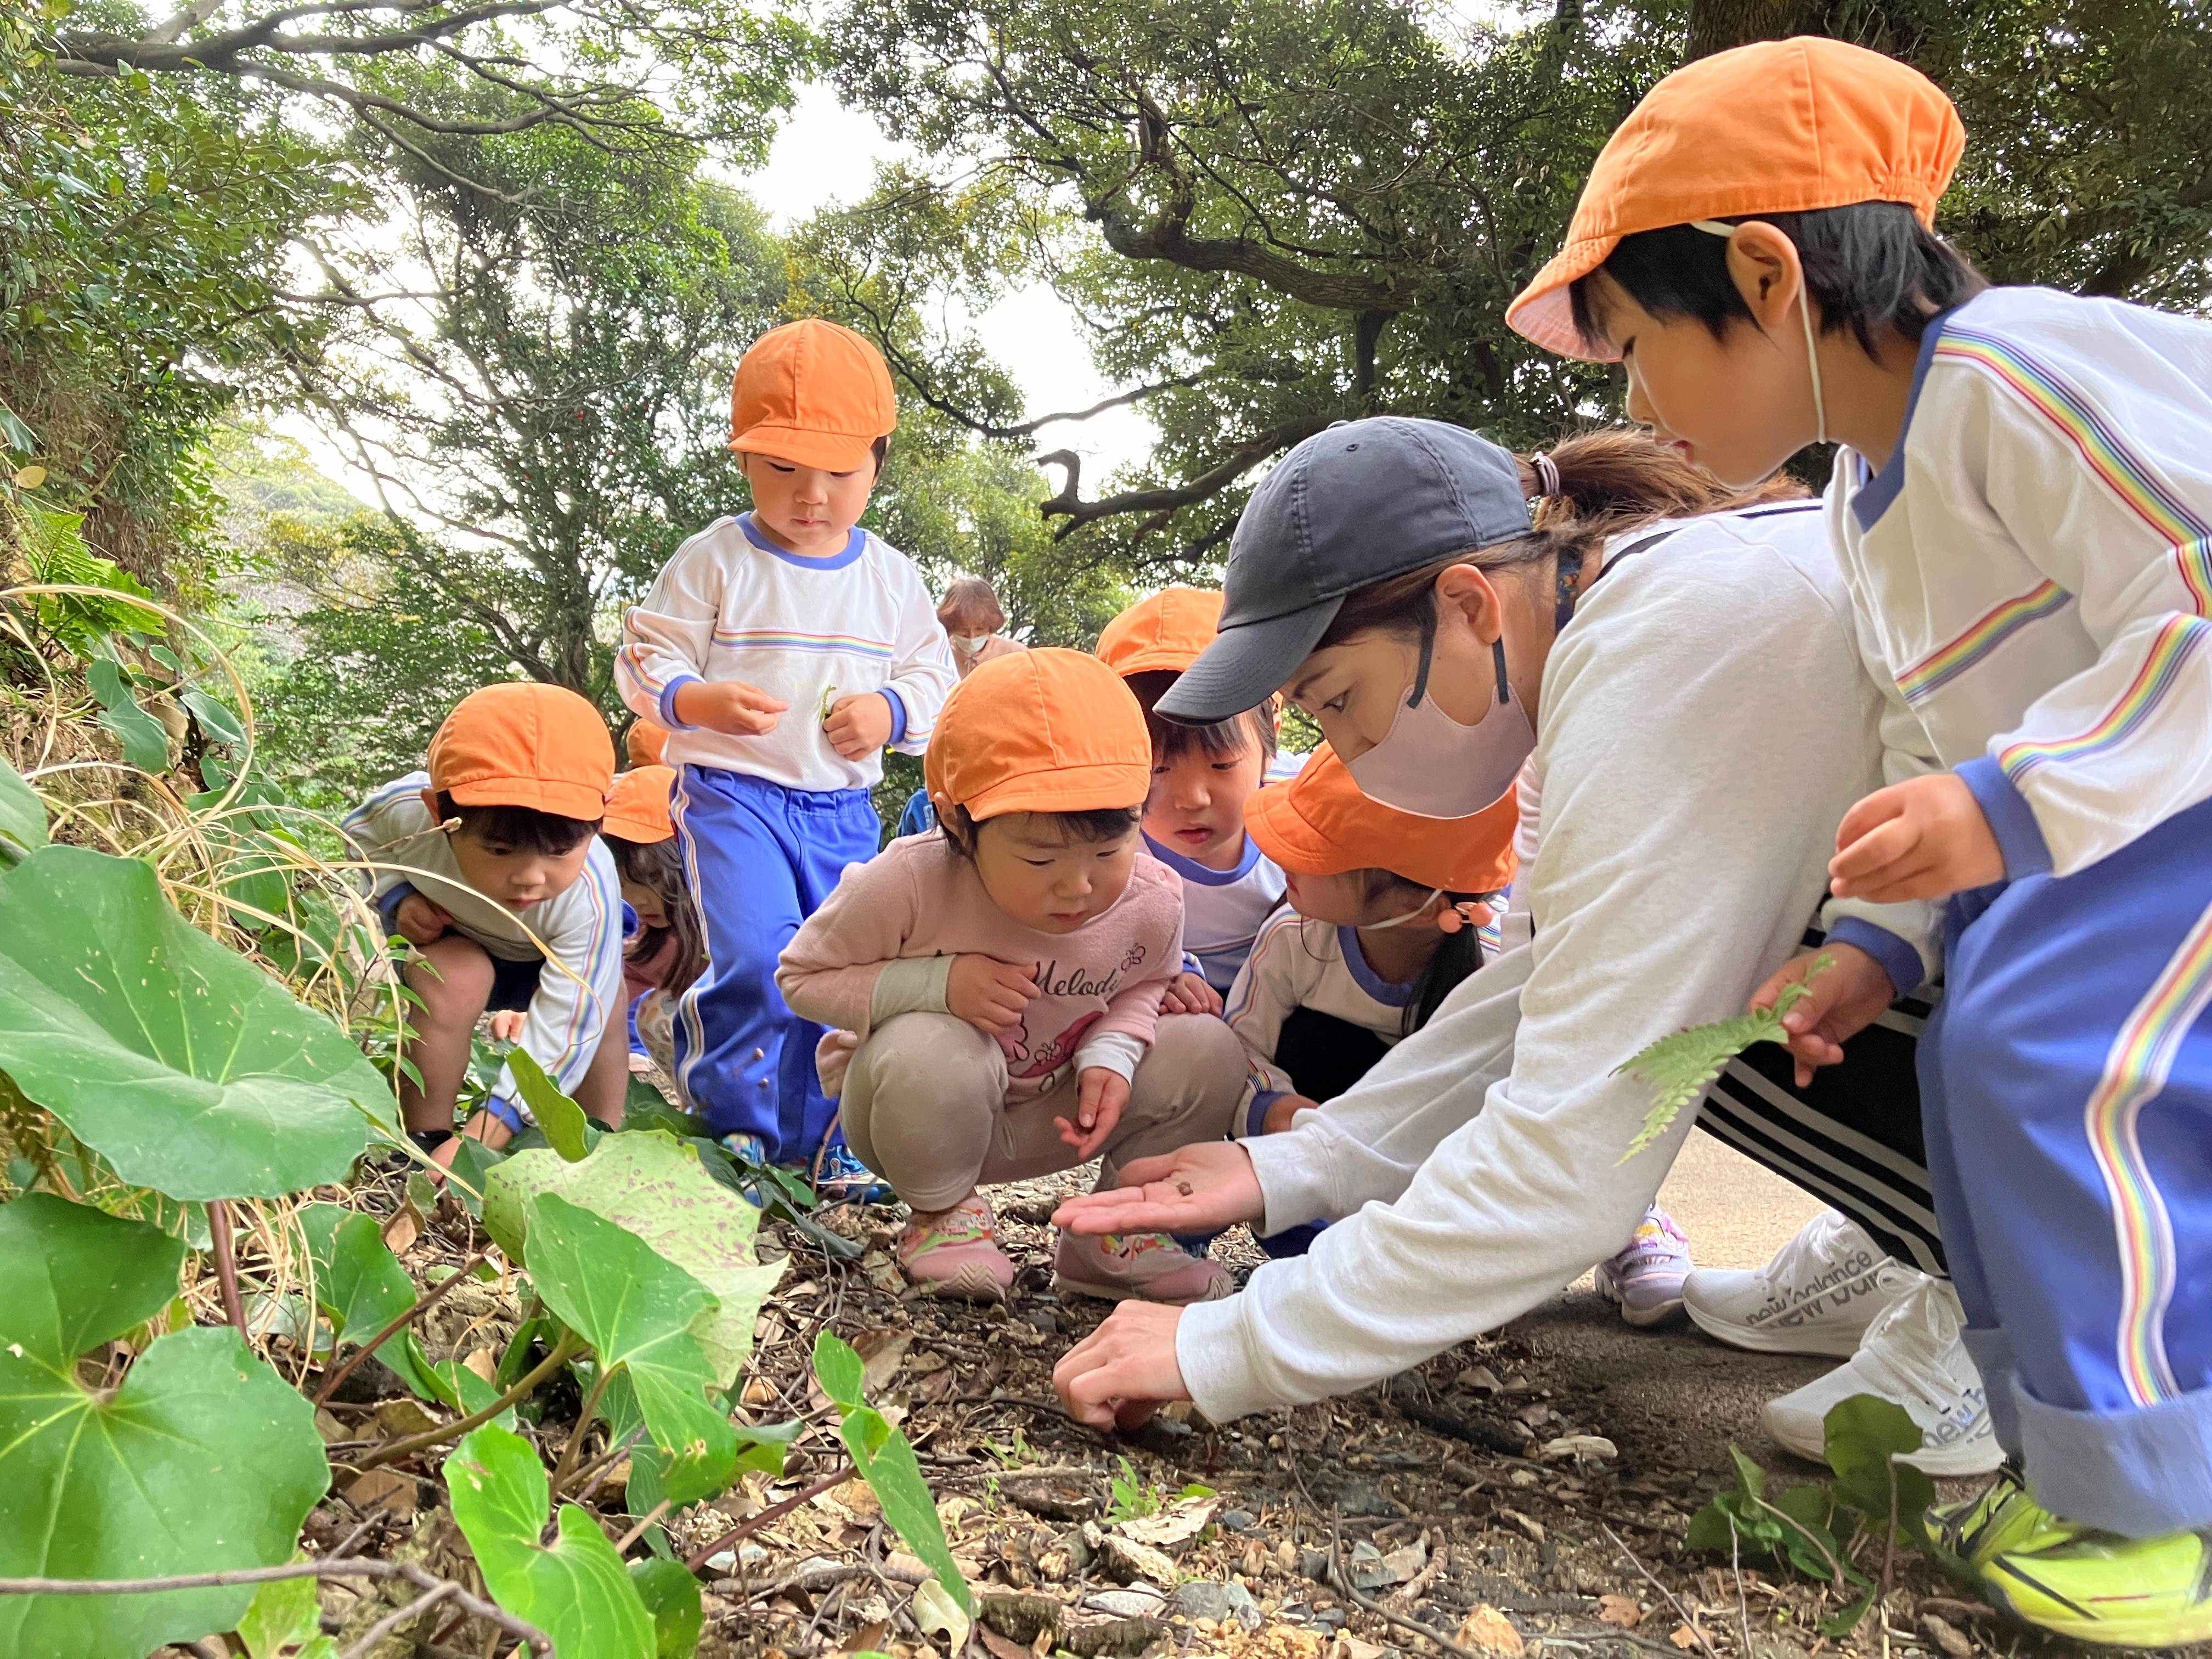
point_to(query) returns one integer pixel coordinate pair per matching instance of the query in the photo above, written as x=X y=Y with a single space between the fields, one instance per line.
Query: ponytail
x=1587 y=490
x=1457 y=956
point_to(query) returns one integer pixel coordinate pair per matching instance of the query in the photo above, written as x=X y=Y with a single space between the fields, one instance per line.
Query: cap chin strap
x=1725 y=232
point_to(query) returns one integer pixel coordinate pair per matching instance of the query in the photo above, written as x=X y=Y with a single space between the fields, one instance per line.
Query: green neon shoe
x=2092 y=1586
x=2003 y=1514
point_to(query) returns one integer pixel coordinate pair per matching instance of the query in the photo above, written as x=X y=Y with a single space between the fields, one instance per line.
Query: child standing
x=1202 y=777
x=783 y=649
x=2022 y=505
x=490 y=851
x=995 y=985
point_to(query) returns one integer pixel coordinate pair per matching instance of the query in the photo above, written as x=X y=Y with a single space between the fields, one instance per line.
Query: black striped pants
x=1851 y=1138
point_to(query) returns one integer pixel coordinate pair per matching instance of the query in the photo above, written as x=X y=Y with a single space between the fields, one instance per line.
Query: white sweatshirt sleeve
x=922 y=676
x=1272 y=981
x=1698 y=739
x=666 y=635
x=568 y=1016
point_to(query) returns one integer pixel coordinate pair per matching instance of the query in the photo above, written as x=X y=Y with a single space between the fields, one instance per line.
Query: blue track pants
x=760 y=857
x=2067 y=1082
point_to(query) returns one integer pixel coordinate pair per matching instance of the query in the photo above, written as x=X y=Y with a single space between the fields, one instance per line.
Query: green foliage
x=360 y=1287
x=576 y=1590
x=203 y=1459
x=670 y=1595
x=648 y=1184
x=22 y=816
x=1679 y=1067
x=641 y=1314
x=559 y=1118
x=145 y=744
x=187 y=1068
x=284 y=1614
x=888 y=1464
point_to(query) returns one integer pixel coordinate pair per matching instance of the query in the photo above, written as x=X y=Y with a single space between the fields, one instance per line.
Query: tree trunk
x=1717 y=25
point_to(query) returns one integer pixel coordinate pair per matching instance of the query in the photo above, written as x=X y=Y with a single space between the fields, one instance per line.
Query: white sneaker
x=1818 y=1295
x=1912 y=1357
x=1644 y=1277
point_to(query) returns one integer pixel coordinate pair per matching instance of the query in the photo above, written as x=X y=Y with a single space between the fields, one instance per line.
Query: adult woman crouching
x=1679 y=671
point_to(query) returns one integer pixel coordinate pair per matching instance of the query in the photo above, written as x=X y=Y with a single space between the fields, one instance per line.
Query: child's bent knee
x=453 y=977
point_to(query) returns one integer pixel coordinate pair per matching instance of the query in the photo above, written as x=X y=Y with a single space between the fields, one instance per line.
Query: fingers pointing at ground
x=1119 y=1373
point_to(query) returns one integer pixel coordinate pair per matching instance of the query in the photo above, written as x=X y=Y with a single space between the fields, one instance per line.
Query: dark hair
x=1457 y=954
x=881 y=448
x=1611 y=481
x=1099 y=824
x=1870 y=265
x=1222 y=740
x=522 y=827
x=658 y=867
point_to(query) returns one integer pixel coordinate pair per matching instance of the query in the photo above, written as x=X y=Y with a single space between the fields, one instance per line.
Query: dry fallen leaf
x=1000 y=1647
x=403 y=1230
x=1491 y=1632
x=383 y=1489
x=1684 y=1638
x=1176 y=1524
x=866 y=1638
x=938 y=1613
x=881 y=1353
x=1622 y=1611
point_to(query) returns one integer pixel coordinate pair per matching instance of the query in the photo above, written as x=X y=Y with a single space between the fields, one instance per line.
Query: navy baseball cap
x=1361 y=502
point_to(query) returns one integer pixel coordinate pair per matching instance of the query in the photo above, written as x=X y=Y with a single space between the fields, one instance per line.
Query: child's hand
x=1846 y=999
x=419 y=922
x=1101 y=1093
x=507 y=1024
x=1281 y=1111
x=1923 y=839
x=1189 y=993
x=858 y=726
x=991 y=995
x=730 y=706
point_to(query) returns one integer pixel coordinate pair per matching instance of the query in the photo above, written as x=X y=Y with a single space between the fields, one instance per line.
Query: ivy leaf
x=179 y=1062
x=576 y=1590
x=647 y=1184
x=886 y=1461
x=284 y=1614
x=560 y=1118
x=638 y=1311
x=362 y=1288
x=202 y=1460
x=1679 y=1067
x=1866 y=1441
x=22 y=816
x=145 y=744
x=217 y=721
x=670 y=1595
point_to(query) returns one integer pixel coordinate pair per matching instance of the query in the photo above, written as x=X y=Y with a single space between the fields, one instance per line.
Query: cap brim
x=1544 y=311
x=1246 y=664
x=1096 y=788
x=833 y=451
x=566 y=800
x=635 y=830
x=1285 y=837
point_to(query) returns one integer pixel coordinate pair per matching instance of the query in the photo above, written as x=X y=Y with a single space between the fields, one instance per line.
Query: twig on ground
x=768 y=1517
x=1652 y=1579
x=820 y=1575
x=399 y=1321
x=621 y=1544
x=566 y=1466
x=226 y=1264
x=1343 y=1579
x=1735 y=1566
x=399 y=1616
x=567 y=1348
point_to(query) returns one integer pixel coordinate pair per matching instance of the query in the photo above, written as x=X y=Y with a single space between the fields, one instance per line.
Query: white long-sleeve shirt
x=1703 y=722
x=581 y=925
x=2034 y=569
x=733 y=605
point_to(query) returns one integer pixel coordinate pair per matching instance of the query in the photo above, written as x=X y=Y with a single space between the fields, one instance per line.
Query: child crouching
x=667 y=951
x=993 y=987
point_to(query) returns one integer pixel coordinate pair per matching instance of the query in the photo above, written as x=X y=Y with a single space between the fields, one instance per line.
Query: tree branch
x=1160 y=500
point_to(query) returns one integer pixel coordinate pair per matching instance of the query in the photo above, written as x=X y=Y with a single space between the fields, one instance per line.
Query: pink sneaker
x=957 y=1254
x=1645 y=1276
x=1150 y=1266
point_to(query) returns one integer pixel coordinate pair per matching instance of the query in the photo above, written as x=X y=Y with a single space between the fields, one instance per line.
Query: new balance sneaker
x=1153 y=1267
x=956 y=1252
x=2092 y=1586
x=1911 y=1356
x=1818 y=1295
x=1646 y=1276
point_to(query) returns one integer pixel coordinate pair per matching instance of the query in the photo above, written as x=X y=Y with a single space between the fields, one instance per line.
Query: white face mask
x=1714 y=228
x=1433 y=766
x=971 y=643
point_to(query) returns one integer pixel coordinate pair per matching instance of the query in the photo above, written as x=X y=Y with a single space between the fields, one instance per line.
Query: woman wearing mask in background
x=1689 y=693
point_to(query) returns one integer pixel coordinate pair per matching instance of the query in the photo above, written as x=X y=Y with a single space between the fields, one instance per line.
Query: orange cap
x=1042 y=731
x=637 y=810
x=1783 y=126
x=1319 y=824
x=645 y=743
x=526 y=744
x=1166 y=631
x=813 y=394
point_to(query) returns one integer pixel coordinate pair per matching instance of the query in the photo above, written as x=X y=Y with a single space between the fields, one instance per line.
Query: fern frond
x=1679 y=1067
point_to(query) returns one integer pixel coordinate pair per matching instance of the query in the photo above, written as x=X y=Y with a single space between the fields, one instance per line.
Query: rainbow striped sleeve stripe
x=783 y=639
x=2085 y=427
x=1946 y=662
x=2179 y=639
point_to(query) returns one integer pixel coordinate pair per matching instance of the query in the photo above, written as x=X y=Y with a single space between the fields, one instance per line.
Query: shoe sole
x=968 y=1285
x=1752 y=1340
x=1061 y=1283
x=1969 y=1458
x=1644 y=1319
x=2115 y=1633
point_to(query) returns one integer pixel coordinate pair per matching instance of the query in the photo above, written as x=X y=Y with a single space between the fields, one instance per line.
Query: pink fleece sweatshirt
x=883 y=943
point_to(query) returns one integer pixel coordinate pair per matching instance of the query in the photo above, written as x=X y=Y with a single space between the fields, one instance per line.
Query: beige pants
x=925 y=1105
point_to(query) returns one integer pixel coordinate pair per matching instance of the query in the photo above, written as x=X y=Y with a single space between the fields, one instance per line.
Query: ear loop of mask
x=1727 y=233
x=1428 y=655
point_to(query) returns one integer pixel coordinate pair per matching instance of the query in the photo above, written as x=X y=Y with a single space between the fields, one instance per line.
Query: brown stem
x=226 y=1262
x=566 y=1466
x=566 y=1349
x=768 y=1517
x=398 y=1322
x=399 y=1616
x=638 y=1531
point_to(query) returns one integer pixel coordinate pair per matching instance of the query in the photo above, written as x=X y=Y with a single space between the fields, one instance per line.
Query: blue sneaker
x=841 y=1178
x=752 y=1153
